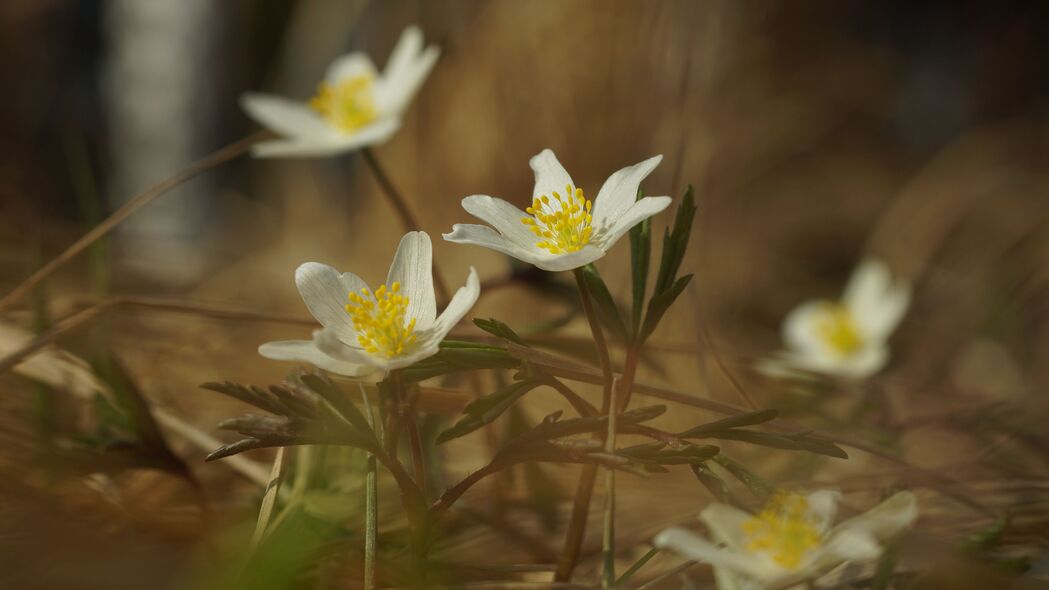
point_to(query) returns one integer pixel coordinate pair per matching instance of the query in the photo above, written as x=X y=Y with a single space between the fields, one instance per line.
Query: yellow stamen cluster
x=347 y=105
x=379 y=321
x=563 y=224
x=838 y=329
x=785 y=530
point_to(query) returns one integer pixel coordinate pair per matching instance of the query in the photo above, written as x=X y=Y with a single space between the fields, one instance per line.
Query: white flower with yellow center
x=791 y=540
x=848 y=338
x=366 y=331
x=354 y=107
x=561 y=229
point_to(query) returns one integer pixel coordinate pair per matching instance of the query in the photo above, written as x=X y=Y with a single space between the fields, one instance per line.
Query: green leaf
x=338 y=399
x=485 y=409
x=748 y=419
x=499 y=330
x=787 y=442
x=660 y=303
x=714 y=484
x=640 y=256
x=605 y=305
x=675 y=242
x=758 y=486
x=456 y=356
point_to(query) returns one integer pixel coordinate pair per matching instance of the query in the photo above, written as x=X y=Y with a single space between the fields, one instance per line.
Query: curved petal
x=461 y=303
x=619 y=193
x=286 y=117
x=400 y=89
x=801 y=328
x=310 y=147
x=823 y=506
x=550 y=175
x=885 y=520
x=424 y=351
x=325 y=292
x=482 y=235
x=503 y=216
x=877 y=305
x=881 y=321
x=697 y=548
x=726 y=524
x=306 y=351
x=350 y=65
x=569 y=261
x=638 y=212
x=866 y=362
x=412 y=267
x=403 y=55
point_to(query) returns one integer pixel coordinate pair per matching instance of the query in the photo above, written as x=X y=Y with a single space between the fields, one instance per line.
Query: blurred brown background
x=813 y=132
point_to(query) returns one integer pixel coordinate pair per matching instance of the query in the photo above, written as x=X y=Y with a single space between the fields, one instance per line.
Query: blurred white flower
x=562 y=229
x=354 y=107
x=365 y=331
x=790 y=541
x=848 y=338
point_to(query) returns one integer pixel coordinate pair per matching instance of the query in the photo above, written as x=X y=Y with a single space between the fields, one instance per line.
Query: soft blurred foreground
x=815 y=135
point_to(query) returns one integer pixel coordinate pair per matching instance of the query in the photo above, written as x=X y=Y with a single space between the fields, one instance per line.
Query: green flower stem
x=636 y=567
x=608 y=541
x=371 y=503
x=585 y=489
x=404 y=212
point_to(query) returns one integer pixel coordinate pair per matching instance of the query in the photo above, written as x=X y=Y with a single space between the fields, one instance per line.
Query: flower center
x=348 y=104
x=379 y=321
x=563 y=224
x=785 y=530
x=839 y=331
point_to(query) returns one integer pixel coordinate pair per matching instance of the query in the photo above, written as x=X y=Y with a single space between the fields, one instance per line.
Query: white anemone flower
x=354 y=107
x=562 y=229
x=848 y=338
x=791 y=540
x=368 y=331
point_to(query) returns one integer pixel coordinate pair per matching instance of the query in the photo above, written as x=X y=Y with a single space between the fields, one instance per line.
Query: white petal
x=876 y=304
x=885 y=520
x=619 y=192
x=638 y=212
x=412 y=267
x=697 y=548
x=801 y=331
x=286 y=117
x=461 y=303
x=868 y=283
x=404 y=53
x=569 y=261
x=325 y=293
x=503 y=216
x=881 y=321
x=726 y=523
x=423 y=351
x=823 y=506
x=311 y=147
x=306 y=351
x=482 y=235
x=348 y=66
x=550 y=175
x=399 y=90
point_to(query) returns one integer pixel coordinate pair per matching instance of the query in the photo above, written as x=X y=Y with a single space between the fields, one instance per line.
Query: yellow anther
x=786 y=530
x=564 y=222
x=380 y=321
x=347 y=105
x=839 y=330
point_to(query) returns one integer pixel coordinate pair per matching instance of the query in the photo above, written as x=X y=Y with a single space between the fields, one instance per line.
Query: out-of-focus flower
x=354 y=107
x=848 y=338
x=791 y=540
x=365 y=331
x=562 y=229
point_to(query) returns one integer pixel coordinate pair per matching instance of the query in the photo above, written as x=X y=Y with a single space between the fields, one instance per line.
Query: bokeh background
x=814 y=133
